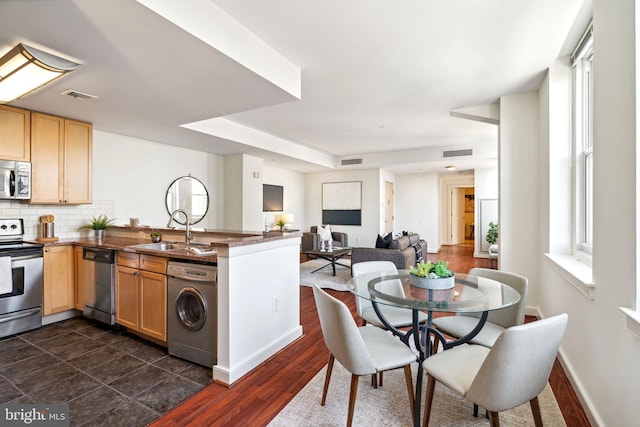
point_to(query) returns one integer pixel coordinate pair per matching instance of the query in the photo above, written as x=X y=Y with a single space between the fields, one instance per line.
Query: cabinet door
x=127 y=299
x=15 y=134
x=153 y=305
x=78 y=161
x=47 y=137
x=79 y=303
x=58 y=274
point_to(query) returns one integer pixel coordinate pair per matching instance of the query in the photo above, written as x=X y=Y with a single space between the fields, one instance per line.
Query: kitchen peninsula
x=258 y=296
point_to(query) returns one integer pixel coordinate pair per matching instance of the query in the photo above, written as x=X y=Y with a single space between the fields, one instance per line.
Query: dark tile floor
x=107 y=377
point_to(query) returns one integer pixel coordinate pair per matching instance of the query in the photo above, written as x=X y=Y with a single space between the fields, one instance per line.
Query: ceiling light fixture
x=24 y=69
x=450 y=168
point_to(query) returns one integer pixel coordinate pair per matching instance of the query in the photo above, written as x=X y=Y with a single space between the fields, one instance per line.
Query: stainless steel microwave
x=15 y=180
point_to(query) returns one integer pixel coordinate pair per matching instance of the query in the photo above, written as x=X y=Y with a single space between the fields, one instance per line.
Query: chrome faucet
x=187 y=234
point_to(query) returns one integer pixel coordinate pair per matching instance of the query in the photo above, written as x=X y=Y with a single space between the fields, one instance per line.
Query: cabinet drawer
x=153 y=263
x=127 y=259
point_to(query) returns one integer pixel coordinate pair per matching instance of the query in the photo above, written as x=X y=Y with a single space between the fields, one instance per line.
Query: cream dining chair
x=364 y=350
x=514 y=371
x=497 y=321
x=397 y=317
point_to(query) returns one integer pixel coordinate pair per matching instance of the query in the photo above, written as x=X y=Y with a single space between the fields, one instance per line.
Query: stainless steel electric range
x=21 y=286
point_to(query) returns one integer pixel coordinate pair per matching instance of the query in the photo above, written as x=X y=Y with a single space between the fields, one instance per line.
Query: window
x=582 y=64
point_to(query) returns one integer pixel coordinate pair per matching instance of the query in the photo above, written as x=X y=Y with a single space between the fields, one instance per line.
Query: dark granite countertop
x=216 y=239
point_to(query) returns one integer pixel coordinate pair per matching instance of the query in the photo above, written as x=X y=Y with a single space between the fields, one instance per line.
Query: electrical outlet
x=275 y=303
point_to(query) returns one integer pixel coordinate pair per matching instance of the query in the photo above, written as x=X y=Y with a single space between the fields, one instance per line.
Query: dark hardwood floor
x=260 y=395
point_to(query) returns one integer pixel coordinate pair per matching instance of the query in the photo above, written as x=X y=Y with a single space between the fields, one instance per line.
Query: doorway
x=462 y=216
x=388 y=207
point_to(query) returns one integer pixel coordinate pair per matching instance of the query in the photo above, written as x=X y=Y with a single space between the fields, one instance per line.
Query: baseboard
x=59 y=317
x=593 y=417
x=228 y=376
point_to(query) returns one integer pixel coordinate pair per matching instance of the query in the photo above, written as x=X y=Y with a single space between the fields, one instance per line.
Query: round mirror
x=190 y=194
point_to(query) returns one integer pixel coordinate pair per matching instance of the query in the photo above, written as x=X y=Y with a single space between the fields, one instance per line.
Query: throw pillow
x=384 y=242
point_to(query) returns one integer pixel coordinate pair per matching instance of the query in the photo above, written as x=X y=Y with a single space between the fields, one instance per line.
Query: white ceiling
x=301 y=83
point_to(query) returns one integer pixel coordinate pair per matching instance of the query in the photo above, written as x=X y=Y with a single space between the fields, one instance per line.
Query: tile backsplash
x=67 y=218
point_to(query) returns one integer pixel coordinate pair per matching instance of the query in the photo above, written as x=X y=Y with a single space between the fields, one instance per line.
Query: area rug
x=324 y=278
x=389 y=405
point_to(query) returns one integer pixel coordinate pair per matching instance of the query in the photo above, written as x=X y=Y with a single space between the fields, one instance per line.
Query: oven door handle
x=24 y=258
x=9 y=318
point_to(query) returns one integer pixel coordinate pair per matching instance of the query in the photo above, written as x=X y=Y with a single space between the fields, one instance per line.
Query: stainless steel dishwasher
x=99 y=283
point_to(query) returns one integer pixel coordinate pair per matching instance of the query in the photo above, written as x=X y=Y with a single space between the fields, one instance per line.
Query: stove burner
x=11 y=238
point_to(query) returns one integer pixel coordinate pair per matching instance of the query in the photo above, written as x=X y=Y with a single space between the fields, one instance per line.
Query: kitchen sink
x=161 y=246
x=198 y=249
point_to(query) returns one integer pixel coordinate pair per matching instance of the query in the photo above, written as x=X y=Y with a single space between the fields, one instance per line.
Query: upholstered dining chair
x=397 y=317
x=514 y=371
x=497 y=321
x=364 y=350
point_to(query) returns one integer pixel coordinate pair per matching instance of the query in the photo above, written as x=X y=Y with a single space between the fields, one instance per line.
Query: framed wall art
x=342 y=203
x=272 y=198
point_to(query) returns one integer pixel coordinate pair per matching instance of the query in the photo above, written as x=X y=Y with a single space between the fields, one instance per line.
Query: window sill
x=575 y=272
x=633 y=321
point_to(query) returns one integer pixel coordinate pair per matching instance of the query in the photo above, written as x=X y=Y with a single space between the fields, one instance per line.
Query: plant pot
x=428 y=283
x=98 y=234
x=156 y=238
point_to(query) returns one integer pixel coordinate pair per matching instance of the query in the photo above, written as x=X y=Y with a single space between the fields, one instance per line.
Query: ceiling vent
x=76 y=94
x=346 y=162
x=457 y=153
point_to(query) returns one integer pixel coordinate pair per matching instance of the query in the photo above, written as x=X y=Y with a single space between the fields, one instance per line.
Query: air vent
x=457 y=153
x=346 y=162
x=76 y=94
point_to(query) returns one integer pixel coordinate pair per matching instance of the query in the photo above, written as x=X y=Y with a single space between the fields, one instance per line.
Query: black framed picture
x=272 y=198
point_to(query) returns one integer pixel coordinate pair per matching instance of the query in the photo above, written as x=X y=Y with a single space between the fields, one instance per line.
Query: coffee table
x=332 y=256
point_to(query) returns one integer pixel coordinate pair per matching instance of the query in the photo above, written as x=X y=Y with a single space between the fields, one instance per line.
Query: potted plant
x=492 y=234
x=156 y=237
x=432 y=275
x=280 y=222
x=98 y=224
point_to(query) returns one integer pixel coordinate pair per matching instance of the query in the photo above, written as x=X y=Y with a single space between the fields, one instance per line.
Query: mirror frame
x=180 y=218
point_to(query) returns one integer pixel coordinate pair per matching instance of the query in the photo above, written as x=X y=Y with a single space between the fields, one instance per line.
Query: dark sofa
x=403 y=251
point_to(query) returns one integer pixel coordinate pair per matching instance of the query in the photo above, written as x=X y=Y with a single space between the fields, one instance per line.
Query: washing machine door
x=191 y=308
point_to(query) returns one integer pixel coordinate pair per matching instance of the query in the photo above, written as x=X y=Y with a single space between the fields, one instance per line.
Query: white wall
x=485 y=187
x=252 y=194
x=130 y=179
x=372 y=212
x=293 y=199
x=519 y=186
x=598 y=352
x=136 y=174
x=417 y=206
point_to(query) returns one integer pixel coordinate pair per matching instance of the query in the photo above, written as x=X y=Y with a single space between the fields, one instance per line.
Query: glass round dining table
x=470 y=295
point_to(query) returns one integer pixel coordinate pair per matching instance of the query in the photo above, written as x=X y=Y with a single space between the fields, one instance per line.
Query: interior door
x=388 y=207
x=457 y=215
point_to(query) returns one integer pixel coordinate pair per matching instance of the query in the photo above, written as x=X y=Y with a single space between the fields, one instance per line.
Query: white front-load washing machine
x=192 y=312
